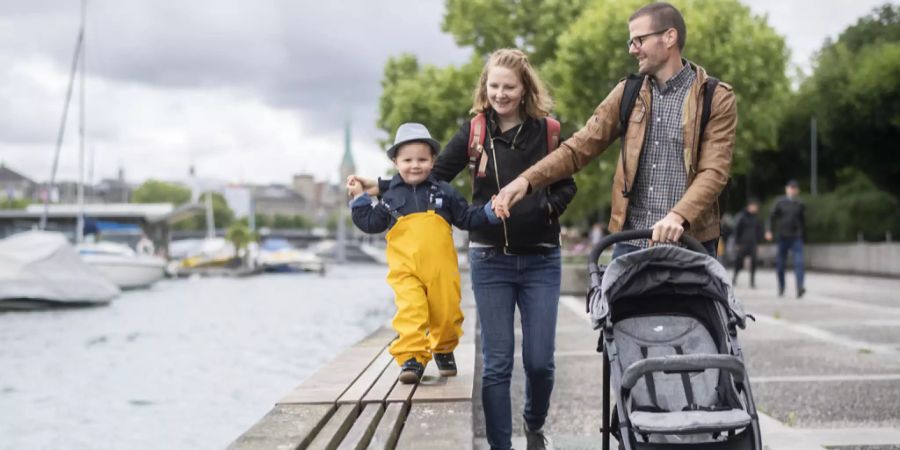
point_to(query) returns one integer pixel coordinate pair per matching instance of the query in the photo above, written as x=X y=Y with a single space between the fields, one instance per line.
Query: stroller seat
x=675 y=378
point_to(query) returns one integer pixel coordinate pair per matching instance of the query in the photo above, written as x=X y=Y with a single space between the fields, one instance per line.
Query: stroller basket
x=668 y=323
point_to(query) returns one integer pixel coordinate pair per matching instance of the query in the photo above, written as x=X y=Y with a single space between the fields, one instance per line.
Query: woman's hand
x=509 y=196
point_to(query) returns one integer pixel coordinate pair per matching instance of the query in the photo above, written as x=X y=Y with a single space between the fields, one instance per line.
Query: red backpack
x=477 y=127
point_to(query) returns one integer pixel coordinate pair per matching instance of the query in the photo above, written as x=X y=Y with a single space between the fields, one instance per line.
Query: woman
x=516 y=263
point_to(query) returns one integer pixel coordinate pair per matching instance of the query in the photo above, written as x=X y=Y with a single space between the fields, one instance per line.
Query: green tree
x=222 y=215
x=20 y=203
x=240 y=235
x=155 y=191
x=530 y=25
x=854 y=94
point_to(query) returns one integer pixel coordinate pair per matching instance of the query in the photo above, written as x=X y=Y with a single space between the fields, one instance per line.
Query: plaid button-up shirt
x=660 y=181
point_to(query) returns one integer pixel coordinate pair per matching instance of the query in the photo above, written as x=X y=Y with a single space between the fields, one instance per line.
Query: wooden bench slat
x=367 y=379
x=285 y=426
x=401 y=392
x=388 y=430
x=358 y=437
x=330 y=436
x=438 y=426
x=384 y=384
x=458 y=388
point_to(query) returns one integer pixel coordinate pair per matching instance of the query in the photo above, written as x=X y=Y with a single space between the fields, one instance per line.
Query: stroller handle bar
x=683 y=364
x=614 y=238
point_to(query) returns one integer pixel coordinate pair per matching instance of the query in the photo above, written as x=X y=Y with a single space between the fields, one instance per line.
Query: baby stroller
x=668 y=319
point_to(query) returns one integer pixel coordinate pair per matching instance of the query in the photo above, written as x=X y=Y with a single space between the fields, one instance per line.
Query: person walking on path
x=788 y=221
x=418 y=209
x=748 y=231
x=517 y=263
x=669 y=173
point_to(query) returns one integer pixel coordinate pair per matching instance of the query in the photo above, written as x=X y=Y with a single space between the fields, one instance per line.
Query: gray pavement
x=824 y=369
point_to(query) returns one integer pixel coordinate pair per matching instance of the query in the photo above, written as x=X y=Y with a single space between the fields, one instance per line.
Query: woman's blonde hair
x=538 y=103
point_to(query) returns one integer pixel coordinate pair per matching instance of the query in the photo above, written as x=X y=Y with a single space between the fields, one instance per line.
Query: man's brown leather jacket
x=706 y=174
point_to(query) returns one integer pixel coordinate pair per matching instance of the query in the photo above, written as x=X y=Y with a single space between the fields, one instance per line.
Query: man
x=748 y=230
x=788 y=219
x=662 y=181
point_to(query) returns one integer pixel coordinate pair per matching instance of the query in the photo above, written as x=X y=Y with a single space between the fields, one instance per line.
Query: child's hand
x=494 y=207
x=369 y=185
x=354 y=187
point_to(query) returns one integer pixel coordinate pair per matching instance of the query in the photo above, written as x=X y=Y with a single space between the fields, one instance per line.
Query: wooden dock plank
x=400 y=393
x=384 y=384
x=388 y=429
x=331 y=435
x=285 y=426
x=458 y=388
x=364 y=383
x=438 y=426
x=358 y=437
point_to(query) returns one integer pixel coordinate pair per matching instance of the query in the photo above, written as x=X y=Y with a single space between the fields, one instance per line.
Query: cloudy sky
x=246 y=91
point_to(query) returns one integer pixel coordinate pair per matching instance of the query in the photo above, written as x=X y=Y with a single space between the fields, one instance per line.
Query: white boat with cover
x=40 y=269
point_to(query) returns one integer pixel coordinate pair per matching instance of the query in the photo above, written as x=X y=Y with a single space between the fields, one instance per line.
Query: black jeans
x=741 y=253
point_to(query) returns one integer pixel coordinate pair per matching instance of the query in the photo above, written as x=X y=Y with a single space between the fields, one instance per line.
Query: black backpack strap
x=711 y=84
x=632 y=88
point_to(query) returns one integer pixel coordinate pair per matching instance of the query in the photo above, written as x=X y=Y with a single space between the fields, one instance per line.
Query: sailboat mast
x=79 y=226
x=62 y=126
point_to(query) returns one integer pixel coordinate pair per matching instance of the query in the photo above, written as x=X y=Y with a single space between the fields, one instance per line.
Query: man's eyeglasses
x=638 y=41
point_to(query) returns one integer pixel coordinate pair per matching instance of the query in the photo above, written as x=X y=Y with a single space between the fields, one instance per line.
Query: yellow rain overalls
x=424 y=273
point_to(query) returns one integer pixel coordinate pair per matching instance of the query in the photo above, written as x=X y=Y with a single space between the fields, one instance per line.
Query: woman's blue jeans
x=501 y=282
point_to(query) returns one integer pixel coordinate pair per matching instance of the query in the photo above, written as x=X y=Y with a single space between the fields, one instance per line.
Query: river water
x=187 y=364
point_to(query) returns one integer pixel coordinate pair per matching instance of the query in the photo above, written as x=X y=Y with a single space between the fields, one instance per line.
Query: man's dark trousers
x=744 y=251
x=795 y=246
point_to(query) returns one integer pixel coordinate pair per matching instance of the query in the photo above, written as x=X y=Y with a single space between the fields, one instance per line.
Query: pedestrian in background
x=747 y=232
x=788 y=223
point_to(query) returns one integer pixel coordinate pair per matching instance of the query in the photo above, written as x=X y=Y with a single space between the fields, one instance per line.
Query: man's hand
x=668 y=230
x=768 y=236
x=509 y=196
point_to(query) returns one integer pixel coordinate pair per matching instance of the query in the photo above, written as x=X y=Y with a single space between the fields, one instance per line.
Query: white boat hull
x=128 y=272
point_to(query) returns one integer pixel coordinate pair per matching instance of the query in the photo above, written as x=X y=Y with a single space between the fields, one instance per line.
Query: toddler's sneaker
x=411 y=372
x=446 y=364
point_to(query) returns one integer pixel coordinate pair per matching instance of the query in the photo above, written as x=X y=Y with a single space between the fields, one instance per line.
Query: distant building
x=111 y=190
x=305 y=185
x=279 y=199
x=15 y=185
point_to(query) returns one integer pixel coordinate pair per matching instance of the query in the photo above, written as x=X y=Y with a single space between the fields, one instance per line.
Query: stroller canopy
x=663 y=269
